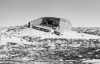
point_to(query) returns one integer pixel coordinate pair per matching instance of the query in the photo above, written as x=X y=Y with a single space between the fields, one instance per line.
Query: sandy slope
x=65 y=35
x=16 y=36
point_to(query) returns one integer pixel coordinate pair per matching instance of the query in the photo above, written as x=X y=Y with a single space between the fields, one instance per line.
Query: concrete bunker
x=51 y=23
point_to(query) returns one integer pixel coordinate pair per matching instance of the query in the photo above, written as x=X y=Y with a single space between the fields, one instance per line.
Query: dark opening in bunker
x=50 y=22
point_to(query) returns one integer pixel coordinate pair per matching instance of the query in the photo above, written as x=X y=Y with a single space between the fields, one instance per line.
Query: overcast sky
x=81 y=13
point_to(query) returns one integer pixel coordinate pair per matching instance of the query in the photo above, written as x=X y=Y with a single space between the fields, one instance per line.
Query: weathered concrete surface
x=62 y=24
